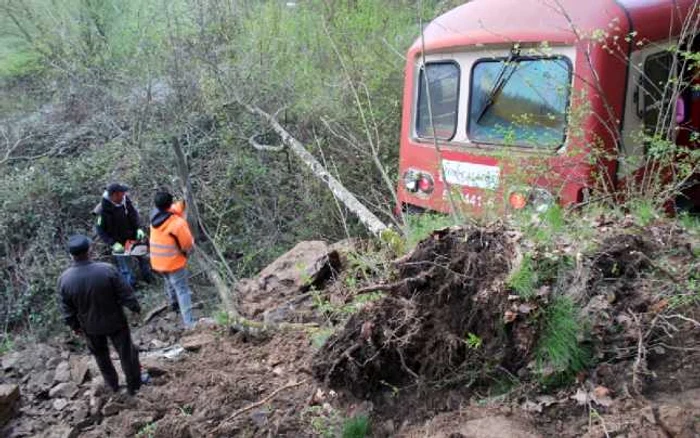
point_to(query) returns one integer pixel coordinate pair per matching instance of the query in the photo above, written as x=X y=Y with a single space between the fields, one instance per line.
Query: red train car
x=539 y=101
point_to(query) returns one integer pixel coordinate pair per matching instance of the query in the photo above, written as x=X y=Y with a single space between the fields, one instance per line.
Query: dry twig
x=260 y=402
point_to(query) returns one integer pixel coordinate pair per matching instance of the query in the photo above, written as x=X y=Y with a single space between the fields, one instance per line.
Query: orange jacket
x=171 y=239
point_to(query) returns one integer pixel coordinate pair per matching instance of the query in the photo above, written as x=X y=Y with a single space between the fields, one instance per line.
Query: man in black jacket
x=117 y=222
x=91 y=296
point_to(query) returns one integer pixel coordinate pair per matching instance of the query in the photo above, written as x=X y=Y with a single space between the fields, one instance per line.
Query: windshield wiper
x=501 y=80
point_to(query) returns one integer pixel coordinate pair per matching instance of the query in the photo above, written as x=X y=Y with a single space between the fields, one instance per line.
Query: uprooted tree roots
x=440 y=325
x=451 y=318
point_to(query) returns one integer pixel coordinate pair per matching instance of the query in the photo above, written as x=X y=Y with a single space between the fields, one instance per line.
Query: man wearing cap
x=117 y=222
x=91 y=296
x=171 y=242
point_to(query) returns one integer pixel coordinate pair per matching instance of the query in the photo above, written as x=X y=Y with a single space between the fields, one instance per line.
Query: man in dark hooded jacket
x=91 y=296
x=117 y=222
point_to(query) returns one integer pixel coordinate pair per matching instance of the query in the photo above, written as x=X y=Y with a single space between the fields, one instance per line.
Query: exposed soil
x=452 y=285
x=450 y=351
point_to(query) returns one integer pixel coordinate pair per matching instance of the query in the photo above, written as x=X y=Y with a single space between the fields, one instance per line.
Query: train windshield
x=519 y=101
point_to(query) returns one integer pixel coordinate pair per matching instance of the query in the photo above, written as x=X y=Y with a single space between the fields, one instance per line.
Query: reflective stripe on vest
x=166 y=255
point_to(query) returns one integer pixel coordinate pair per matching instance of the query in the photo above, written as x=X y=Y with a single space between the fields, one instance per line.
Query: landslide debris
x=454 y=347
x=451 y=287
x=592 y=331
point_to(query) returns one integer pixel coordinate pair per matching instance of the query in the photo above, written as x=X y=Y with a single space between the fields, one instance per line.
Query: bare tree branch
x=372 y=222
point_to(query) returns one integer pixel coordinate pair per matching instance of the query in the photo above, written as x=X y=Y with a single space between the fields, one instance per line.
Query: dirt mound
x=594 y=329
x=439 y=323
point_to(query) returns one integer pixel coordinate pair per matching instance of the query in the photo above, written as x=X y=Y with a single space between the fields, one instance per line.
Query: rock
x=79 y=369
x=60 y=404
x=297 y=269
x=677 y=421
x=207 y=323
x=81 y=413
x=96 y=403
x=344 y=248
x=98 y=387
x=280 y=314
x=157 y=344
x=36 y=358
x=151 y=365
x=53 y=362
x=62 y=372
x=496 y=427
x=10 y=361
x=259 y=417
x=71 y=432
x=172 y=353
x=118 y=403
x=195 y=342
x=388 y=428
x=308 y=263
x=648 y=414
x=9 y=398
x=61 y=431
x=40 y=382
x=64 y=390
x=111 y=408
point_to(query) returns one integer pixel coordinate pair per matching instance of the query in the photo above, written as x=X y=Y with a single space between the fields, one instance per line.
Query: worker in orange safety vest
x=170 y=243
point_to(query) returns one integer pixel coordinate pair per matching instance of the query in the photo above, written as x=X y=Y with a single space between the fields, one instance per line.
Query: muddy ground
x=449 y=349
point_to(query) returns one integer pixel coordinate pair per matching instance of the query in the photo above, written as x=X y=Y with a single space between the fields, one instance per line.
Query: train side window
x=443 y=79
x=657 y=90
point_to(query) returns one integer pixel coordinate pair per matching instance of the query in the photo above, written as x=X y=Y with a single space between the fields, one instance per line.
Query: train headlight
x=417 y=181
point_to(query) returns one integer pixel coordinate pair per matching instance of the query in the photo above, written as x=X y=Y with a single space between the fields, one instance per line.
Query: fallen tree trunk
x=368 y=219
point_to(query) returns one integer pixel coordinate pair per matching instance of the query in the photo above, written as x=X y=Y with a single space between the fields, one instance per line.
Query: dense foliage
x=94 y=91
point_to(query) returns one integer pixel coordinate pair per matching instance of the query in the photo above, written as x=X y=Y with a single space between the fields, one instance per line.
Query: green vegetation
x=690 y=222
x=524 y=280
x=560 y=354
x=473 y=341
x=320 y=336
x=6 y=344
x=419 y=226
x=147 y=431
x=356 y=427
x=644 y=211
x=323 y=304
x=222 y=318
x=95 y=92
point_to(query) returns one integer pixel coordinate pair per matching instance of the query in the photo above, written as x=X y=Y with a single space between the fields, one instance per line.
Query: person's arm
x=101 y=232
x=184 y=238
x=178 y=208
x=67 y=309
x=124 y=291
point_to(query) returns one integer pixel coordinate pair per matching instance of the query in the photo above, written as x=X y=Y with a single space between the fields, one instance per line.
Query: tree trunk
x=368 y=219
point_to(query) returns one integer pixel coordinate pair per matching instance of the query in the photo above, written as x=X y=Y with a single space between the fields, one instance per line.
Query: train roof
x=556 y=21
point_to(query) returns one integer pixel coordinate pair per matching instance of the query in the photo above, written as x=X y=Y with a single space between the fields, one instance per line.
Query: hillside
x=550 y=320
x=593 y=339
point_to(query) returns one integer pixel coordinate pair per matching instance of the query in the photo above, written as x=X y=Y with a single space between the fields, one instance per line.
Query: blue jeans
x=177 y=291
x=124 y=267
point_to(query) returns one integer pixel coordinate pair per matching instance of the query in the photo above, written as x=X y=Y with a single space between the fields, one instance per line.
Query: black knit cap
x=78 y=244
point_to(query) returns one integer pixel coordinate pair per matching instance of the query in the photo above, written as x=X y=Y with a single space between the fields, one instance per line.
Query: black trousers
x=128 y=356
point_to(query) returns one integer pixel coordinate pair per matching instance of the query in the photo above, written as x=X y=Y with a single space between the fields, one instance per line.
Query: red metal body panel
x=599 y=80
